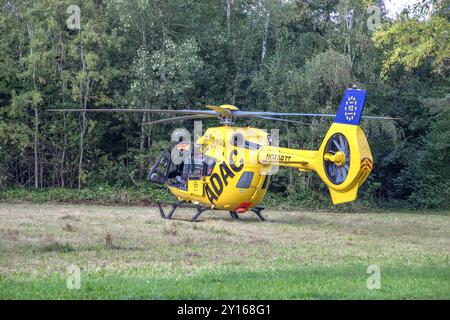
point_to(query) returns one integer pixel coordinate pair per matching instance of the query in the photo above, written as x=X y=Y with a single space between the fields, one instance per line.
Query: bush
x=104 y=195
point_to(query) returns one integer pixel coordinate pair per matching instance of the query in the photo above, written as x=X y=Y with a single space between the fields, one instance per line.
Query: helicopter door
x=195 y=182
x=159 y=173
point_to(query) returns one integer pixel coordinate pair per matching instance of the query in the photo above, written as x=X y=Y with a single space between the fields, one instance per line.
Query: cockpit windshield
x=192 y=167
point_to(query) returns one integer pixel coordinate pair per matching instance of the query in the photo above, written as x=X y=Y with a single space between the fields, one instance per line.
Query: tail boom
x=343 y=161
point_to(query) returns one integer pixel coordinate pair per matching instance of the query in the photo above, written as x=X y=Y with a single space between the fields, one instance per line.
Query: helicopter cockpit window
x=159 y=171
x=266 y=182
x=187 y=168
x=239 y=141
x=181 y=174
x=245 y=180
x=197 y=169
x=208 y=165
x=191 y=167
x=251 y=145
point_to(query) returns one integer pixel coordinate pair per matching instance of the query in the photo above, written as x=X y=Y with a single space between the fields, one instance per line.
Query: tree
x=411 y=43
x=91 y=72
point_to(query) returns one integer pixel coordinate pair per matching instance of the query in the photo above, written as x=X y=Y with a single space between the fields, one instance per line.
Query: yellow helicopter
x=229 y=168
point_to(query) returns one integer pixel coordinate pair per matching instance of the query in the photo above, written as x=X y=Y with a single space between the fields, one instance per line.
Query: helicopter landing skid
x=172 y=210
x=234 y=215
x=200 y=210
x=258 y=210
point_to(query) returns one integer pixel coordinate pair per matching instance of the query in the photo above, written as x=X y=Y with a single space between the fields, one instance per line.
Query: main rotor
x=226 y=113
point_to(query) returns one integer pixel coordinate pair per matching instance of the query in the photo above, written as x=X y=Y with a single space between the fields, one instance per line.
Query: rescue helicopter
x=229 y=167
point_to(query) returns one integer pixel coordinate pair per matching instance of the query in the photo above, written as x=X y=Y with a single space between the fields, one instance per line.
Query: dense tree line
x=256 y=54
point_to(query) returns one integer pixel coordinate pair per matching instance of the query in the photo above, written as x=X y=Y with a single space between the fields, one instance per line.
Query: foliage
x=411 y=43
x=291 y=56
x=104 y=195
x=429 y=173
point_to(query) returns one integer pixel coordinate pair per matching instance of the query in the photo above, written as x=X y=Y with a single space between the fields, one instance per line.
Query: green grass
x=131 y=253
x=343 y=282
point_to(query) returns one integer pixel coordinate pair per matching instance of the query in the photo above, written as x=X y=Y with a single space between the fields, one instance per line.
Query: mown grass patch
x=131 y=253
x=337 y=282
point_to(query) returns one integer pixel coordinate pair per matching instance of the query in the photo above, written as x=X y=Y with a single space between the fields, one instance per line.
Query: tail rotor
x=337 y=171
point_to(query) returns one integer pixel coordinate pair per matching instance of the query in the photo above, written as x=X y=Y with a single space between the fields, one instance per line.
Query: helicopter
x=229 y=167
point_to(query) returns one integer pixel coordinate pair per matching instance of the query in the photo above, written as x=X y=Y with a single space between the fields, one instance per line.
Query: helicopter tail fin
x=351 y=107
x=344 y=160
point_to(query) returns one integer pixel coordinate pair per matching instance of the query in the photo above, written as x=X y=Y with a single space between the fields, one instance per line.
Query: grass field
x=131 y=253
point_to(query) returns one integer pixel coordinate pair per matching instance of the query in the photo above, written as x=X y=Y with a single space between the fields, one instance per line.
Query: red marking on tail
x=366 y=164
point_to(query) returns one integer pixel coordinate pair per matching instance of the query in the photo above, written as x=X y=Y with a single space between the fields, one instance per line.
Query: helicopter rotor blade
x=185 y=111
x=244 y=114
x=285 y=120
x=381 y=118
x=182 y=118
x=287 y=114
x=221 y=111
